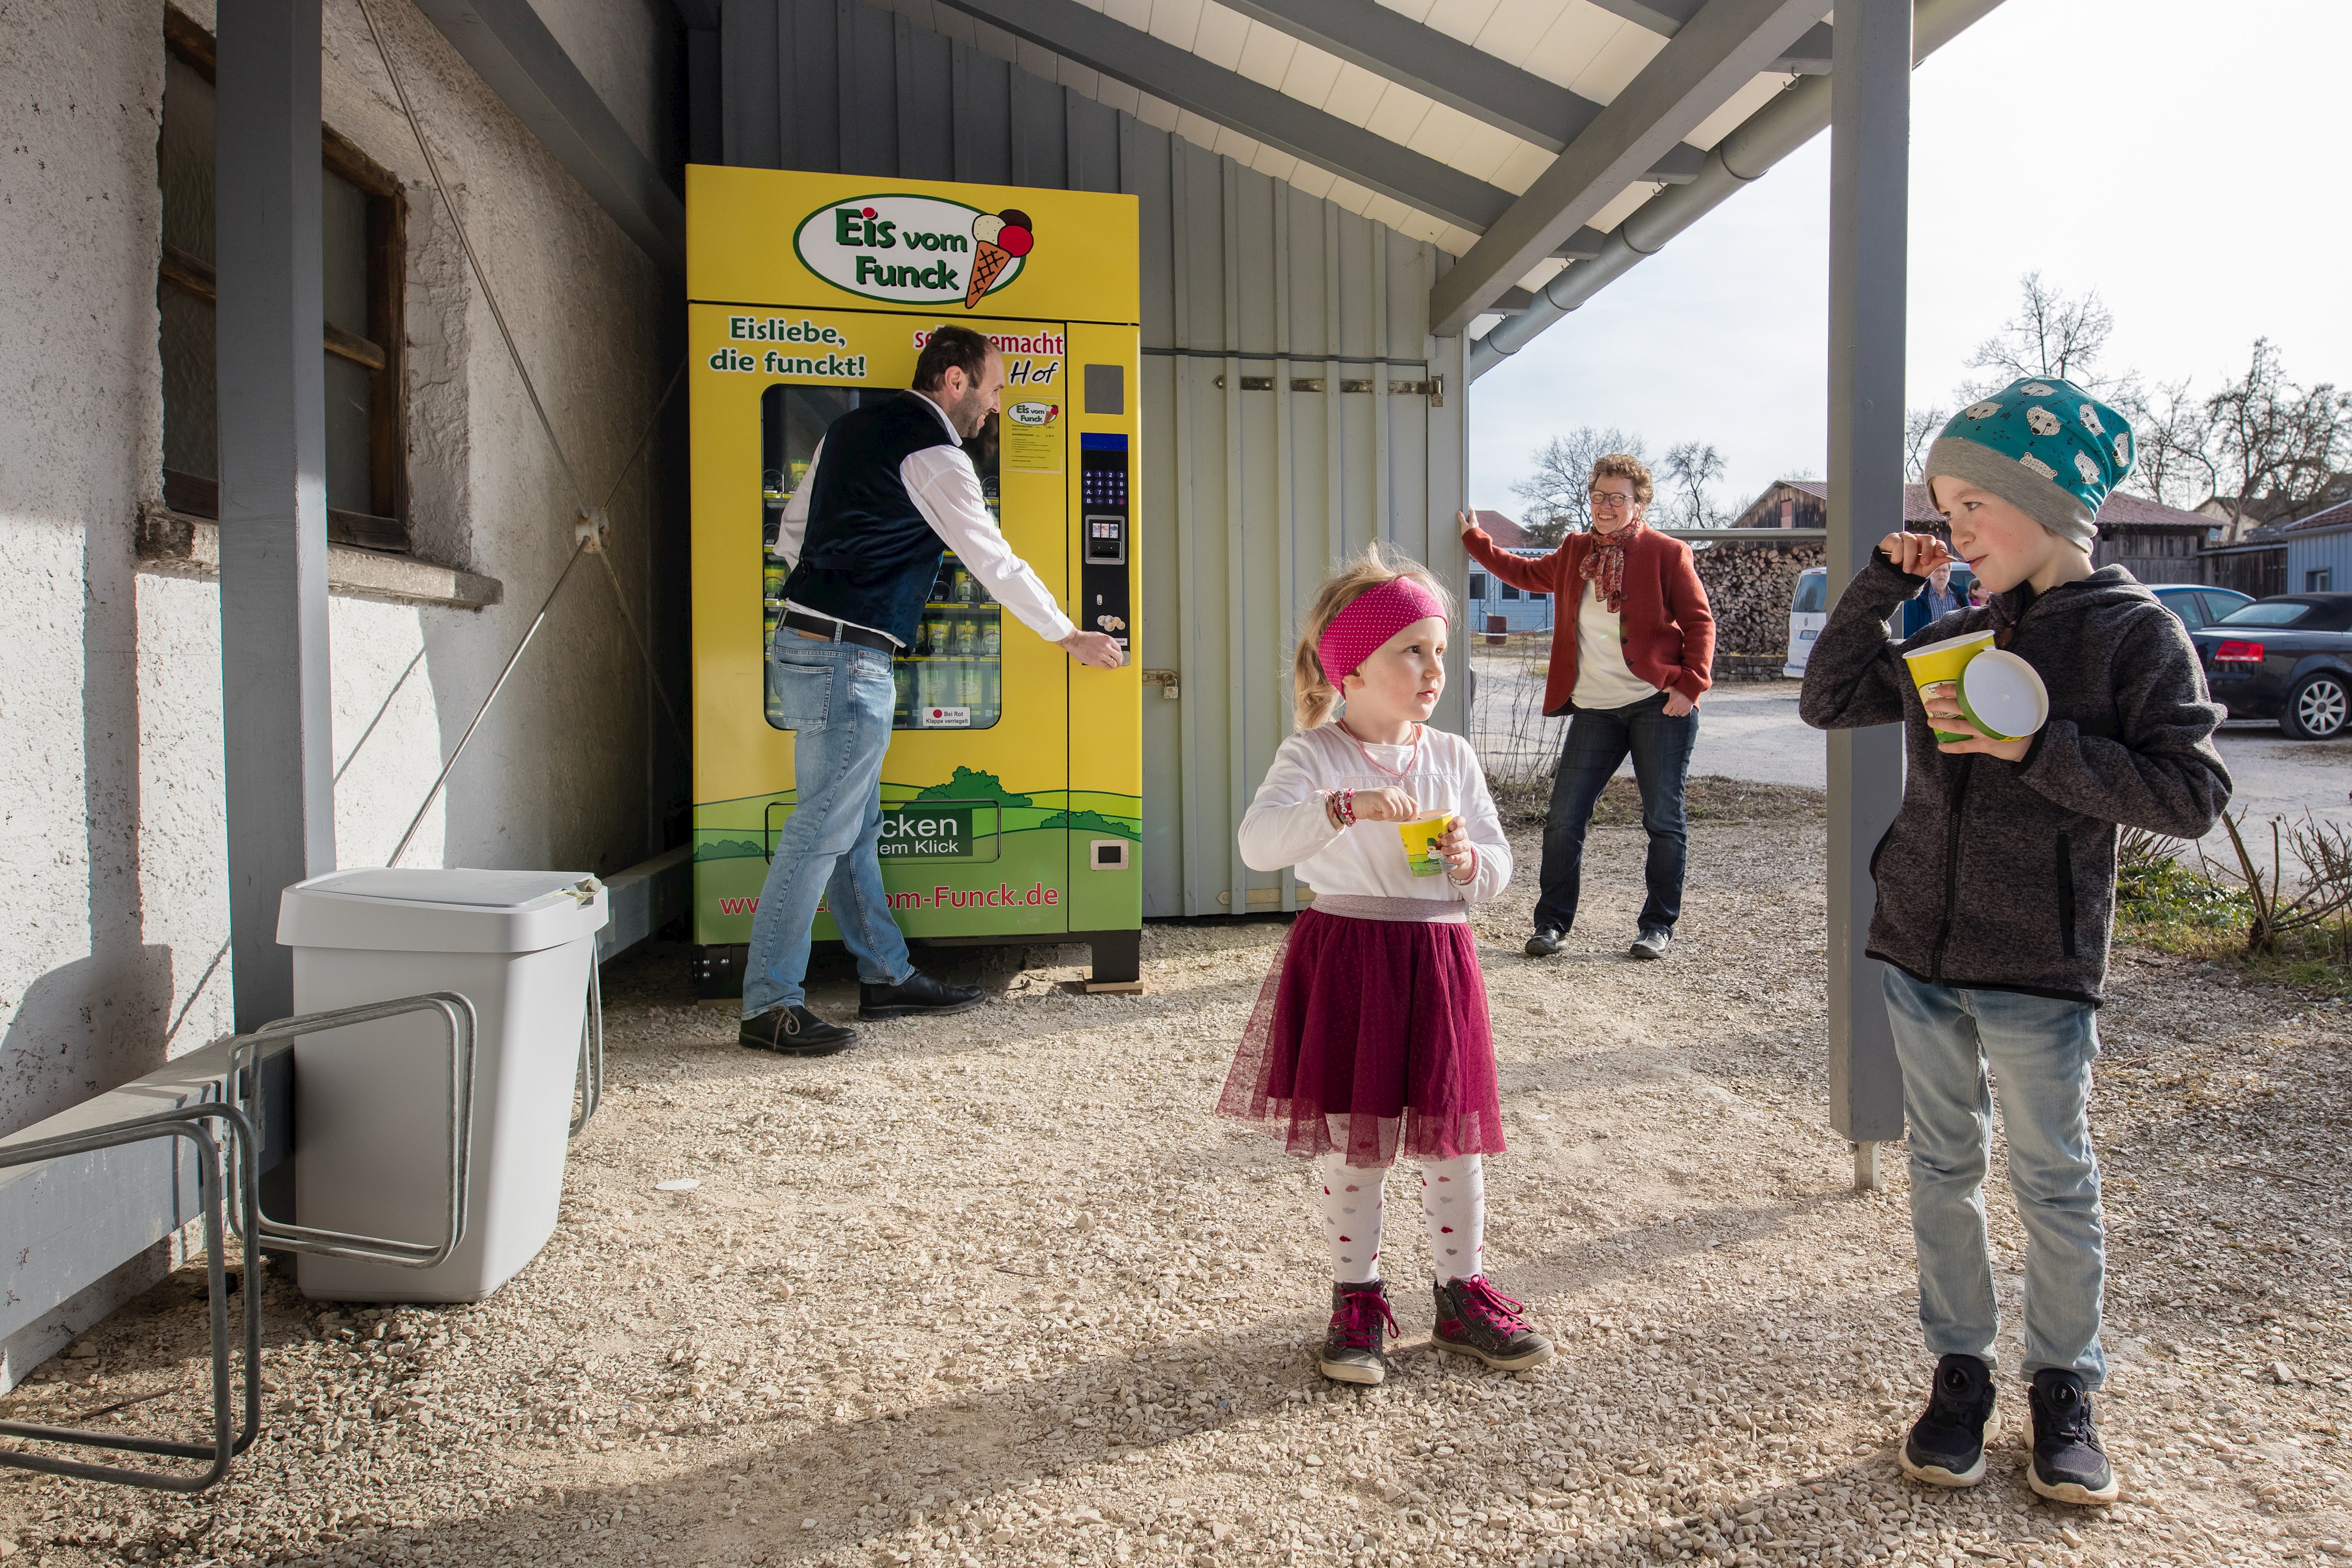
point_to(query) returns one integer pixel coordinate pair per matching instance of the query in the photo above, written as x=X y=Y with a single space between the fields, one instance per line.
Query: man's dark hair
x=961 y=347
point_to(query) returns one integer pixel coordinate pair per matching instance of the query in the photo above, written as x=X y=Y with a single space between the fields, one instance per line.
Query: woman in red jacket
x=1632 y=642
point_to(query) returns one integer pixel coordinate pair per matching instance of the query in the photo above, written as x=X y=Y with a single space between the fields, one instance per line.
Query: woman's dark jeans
x=1598 y=740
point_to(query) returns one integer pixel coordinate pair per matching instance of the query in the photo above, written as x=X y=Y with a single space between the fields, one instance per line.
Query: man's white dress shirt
x=945 y=488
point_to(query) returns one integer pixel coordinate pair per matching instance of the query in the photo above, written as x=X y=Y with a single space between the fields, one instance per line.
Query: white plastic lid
x=452 y=911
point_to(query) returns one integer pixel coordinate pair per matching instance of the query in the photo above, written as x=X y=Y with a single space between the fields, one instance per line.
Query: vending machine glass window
x=950 y=678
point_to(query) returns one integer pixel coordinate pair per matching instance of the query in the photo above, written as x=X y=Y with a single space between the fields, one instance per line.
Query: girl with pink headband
x=1369 y=1039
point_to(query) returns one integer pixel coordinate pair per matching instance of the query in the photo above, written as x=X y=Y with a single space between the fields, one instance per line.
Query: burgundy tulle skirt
x=1370 y=1037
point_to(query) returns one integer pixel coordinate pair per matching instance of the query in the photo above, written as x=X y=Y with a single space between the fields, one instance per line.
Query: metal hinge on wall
x=1433 y=389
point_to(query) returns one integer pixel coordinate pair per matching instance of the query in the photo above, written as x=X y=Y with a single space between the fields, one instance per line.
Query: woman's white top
x=1287 y=824
x=1602 y=677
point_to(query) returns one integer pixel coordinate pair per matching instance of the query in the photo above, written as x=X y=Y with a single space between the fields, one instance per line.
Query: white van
x=1808 y=613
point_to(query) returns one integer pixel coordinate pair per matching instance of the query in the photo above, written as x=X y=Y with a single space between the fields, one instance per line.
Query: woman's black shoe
x=794 y=1030
x=917 y=996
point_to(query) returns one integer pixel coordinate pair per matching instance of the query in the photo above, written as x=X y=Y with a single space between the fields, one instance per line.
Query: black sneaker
x=1476 y=1319
x=1546 y=941
x=918 y=995
x=794 y=1030
x=2068 y=1464
x=1355 y=1347
x=1946 y=1447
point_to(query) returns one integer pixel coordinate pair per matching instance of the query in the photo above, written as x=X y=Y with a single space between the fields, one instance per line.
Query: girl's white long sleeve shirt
x=1288 y=824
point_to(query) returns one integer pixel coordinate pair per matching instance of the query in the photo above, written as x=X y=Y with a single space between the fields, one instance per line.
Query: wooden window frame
x=384 y=526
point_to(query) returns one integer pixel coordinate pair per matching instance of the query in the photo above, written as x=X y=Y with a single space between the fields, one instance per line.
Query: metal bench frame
x=215 y=1167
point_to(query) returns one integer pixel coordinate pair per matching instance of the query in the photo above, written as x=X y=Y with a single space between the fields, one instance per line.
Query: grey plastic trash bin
x=372 y=1101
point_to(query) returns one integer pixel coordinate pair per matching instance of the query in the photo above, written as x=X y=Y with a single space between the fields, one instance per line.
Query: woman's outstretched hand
x=1465 y=521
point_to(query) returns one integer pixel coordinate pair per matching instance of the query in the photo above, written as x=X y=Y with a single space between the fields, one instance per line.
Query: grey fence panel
x=1249 y=493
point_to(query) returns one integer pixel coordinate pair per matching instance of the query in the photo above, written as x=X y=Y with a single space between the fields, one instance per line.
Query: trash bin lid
x=458 y=910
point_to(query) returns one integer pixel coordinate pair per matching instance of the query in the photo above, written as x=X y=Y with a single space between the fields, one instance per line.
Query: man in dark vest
x=888 y=491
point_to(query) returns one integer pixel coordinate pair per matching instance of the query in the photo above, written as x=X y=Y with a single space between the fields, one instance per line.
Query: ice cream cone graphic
x=998 y=238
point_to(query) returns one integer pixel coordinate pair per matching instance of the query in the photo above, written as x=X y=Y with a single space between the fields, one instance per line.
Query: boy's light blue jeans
x=838 y=698
x=2040 y=1050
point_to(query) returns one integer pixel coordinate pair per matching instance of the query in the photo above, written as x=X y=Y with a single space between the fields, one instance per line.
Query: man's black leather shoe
x=794 y=1031
x=917 y=996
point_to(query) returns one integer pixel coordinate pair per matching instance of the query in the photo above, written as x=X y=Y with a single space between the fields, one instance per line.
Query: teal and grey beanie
x=2046 y=446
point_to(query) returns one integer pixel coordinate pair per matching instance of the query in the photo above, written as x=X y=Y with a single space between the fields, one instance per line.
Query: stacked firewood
x=1748 y=587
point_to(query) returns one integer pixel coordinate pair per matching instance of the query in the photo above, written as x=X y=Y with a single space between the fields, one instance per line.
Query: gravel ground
x=996 y=1290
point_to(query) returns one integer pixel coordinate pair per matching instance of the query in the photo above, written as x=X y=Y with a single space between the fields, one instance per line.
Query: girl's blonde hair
x=1313 y=694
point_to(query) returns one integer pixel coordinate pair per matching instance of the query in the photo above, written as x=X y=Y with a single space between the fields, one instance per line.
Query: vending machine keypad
x=1103 y=569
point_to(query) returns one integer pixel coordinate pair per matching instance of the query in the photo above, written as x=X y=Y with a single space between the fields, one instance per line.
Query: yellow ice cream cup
x=1421 y=836
x=1944 y=660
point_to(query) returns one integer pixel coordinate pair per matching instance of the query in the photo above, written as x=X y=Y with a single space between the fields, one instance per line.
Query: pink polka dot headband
x=1371 y=619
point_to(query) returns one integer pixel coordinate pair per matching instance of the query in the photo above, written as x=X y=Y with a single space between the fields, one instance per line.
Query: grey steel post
x=1870 y=156
x=273 y=487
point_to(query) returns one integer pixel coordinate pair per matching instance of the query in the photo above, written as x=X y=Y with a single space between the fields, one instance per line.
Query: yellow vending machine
x=1013 y=789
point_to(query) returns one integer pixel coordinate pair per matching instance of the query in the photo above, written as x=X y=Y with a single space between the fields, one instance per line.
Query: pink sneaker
x=1476 y=1319
x=1355 y=1346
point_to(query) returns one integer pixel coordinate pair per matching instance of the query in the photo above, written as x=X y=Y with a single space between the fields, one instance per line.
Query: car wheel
x=2316 y=706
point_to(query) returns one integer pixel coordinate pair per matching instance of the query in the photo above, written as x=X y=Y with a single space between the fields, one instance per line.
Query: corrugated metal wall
x=1251 y=290
x=2327 y=552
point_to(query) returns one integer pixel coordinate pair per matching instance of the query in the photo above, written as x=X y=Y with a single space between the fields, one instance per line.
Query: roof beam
x=1436 y=65
x=1663 y=17
x=1154 y=65
x=511 y=50
x=1709 y=58
x=1808 y=57
x=1185 y=79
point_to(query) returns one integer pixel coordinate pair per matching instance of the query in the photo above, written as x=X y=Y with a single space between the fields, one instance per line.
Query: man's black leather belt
x=833 y=630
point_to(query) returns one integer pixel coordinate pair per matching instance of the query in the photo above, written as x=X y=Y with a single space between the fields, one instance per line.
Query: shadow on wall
x=99 y=1021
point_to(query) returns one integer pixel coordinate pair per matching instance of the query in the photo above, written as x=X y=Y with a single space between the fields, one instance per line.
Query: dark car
x=2287 y=658
x=2199 y=606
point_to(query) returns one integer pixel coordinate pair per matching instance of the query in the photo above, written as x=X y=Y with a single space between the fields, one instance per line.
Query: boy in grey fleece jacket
x=1993 y=919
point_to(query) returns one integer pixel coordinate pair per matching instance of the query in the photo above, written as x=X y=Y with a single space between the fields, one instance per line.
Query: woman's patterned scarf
x=1604 y=565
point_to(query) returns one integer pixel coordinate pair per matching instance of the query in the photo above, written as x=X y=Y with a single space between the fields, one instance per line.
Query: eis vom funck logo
x=914 y=250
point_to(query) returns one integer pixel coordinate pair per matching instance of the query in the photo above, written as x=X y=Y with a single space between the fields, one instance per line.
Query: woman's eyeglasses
x=1613 y=500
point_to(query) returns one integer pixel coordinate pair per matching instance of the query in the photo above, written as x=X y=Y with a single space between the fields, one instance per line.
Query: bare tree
x=1920 y=428
x=1556 y=492
x=2052 y=334
x=2176 y=444
x=1690 y=466
x=2274 y=440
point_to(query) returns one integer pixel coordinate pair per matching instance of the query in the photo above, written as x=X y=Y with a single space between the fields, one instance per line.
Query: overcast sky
x=2183 y=157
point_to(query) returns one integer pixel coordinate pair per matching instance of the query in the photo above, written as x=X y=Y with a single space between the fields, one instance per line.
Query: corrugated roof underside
x=1573 y=44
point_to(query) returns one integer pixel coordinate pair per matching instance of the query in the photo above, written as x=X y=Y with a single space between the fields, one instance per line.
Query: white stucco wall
x=111 y=748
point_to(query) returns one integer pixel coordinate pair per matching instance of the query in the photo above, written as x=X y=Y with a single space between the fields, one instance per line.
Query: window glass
x=1812 y=591
x=2266 y=614
x=2317 y=582
x=348 y=387
x=344 y=217
x=184 y=160
x=1509 y=592
x=191 y=390
x=951 y=677
x=1477 y=585
x=188 y=329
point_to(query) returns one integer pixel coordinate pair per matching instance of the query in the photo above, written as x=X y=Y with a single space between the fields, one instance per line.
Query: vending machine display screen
x=951 y=678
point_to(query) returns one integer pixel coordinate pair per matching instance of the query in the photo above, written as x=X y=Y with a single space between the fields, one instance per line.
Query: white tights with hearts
x=1452 y=1200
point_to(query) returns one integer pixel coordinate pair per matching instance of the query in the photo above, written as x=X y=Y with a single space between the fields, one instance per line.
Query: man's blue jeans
x=838 y=698
x=1598 y=740
x=2039 y=1050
